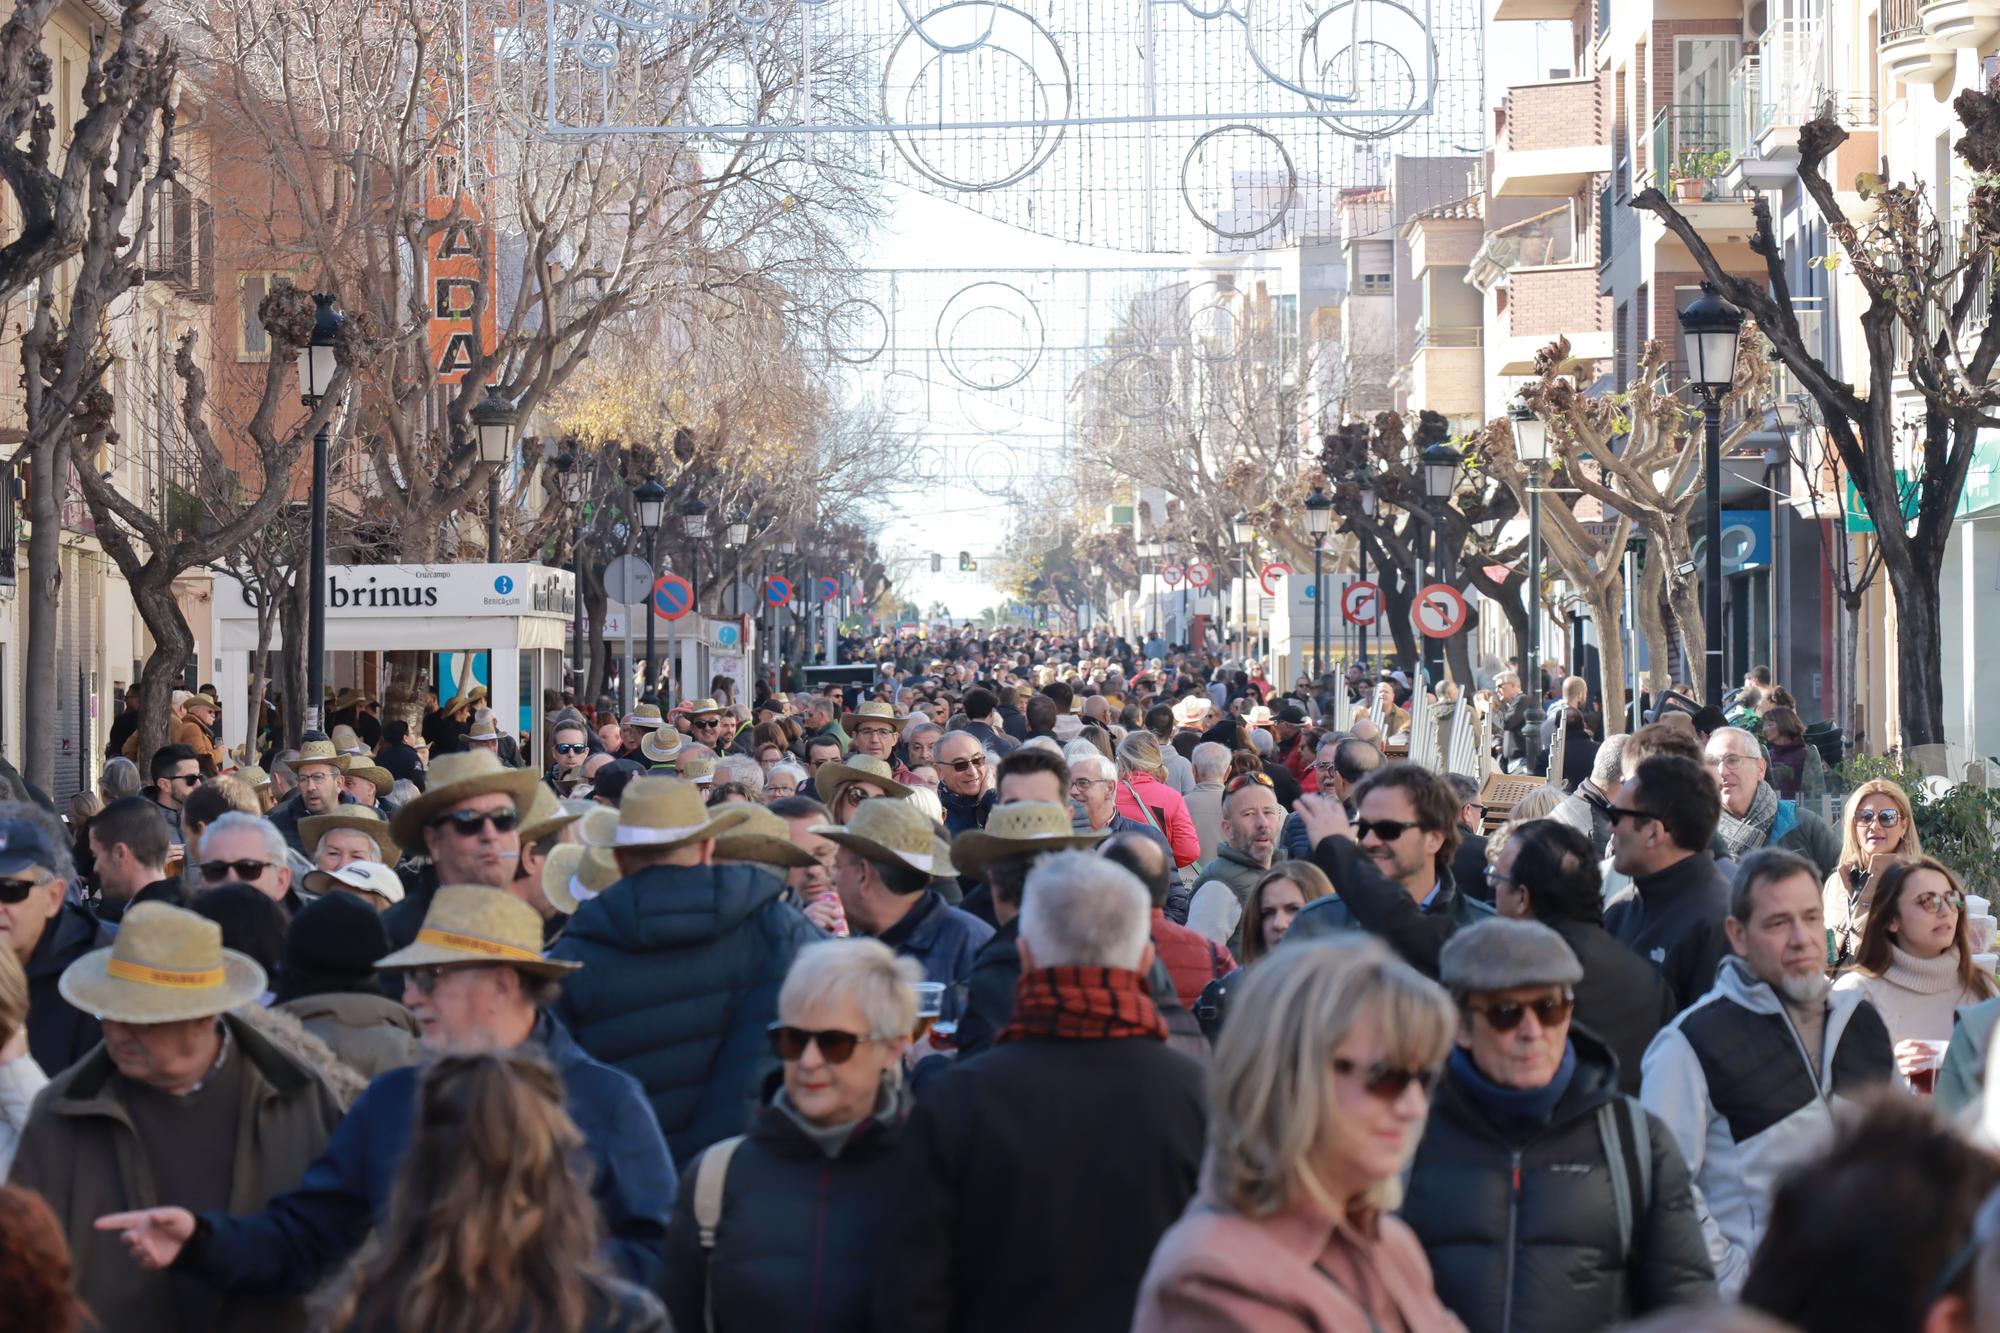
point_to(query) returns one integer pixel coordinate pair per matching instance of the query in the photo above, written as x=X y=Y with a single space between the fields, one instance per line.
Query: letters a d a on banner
x=461 y=262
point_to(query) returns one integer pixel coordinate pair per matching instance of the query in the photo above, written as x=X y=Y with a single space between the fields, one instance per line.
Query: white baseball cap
x=367 y=876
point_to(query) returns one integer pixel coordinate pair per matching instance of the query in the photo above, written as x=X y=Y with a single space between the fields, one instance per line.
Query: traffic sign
x=1270 y=572
x=728 y=634
x=628 y=580
x=673 y=597
x=777 y=590
x=1361 y=603
x=827 y=588
x=1440 y=611
x=1200 y=575
x=1172 y=575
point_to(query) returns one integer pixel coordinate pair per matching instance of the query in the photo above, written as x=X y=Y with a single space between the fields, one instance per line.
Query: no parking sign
x=673 y=597
x=777 y=590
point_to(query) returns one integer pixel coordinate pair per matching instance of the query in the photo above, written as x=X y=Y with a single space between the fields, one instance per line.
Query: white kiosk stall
x=517 y=615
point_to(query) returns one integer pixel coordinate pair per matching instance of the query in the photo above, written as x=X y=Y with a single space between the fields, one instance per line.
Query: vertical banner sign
x=460 y=261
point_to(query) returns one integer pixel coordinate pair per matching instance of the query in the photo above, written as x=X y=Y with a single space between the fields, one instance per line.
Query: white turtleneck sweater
x=1916 y=997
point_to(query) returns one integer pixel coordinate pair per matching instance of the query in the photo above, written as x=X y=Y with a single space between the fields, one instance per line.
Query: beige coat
x=81 y=1153
x=372 y=1034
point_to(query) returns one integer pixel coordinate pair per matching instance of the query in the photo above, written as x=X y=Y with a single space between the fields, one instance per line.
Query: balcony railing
x=1429 y=335
x=1900 y=17
x=1690 y=142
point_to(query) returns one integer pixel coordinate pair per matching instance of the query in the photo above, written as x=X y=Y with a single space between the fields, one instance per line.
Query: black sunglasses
x=1385 y=830
x=215 y=872
x=467 y=823
x=1387 y=1082
x=17 y=890
x=960 y=765
x=1617 y=812
x=564 y=747
x=1505 y=1017
x=789 y=1043
x=191 y=778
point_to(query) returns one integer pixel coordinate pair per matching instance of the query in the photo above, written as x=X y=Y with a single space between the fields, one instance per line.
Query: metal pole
x=1633 y=717
x=493 y=518
x=646 y=609
x=316 y=574
x=1361 y=549
x=1712 y=599
x=626 y=695
x=1531 y=670
x=580 y=669
x=1319 y=608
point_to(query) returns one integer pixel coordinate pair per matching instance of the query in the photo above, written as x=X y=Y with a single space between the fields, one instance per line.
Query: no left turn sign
x=1440 y=611
x=1200 y=575
x=1361 y=603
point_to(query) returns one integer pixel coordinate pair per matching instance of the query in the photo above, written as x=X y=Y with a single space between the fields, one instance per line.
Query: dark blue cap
x=24 y=844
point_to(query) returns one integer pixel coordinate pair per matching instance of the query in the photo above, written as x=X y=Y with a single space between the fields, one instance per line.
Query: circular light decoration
x=904 y=393
x=990 y=336
x=990 y=469
x=1137 y=386
x=990 y=413
x=975 y=62
x=1238 y=181
x=856 y=331
x=1358 y=50
x=1209 y=321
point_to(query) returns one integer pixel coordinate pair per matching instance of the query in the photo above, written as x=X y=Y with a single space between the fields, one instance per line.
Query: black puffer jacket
x=799 y=1237
x=1523 y=1235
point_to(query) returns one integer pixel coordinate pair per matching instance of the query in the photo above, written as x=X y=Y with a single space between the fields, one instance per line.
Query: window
x=183 y=235
x=252 y=343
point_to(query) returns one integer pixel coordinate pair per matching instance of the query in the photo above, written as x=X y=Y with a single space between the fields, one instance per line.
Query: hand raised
x=154 y=1236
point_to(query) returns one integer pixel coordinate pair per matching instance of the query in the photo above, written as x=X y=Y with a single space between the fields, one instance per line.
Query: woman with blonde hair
x=489 y=1226
x=1877 y=829
x=1316 y=1108
x=1144 y=796
x=20 y=1077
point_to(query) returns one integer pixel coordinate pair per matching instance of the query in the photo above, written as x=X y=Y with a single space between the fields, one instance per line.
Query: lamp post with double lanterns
x=493 y=424
x=317 y=365
x=650 y=498
x=569 y=483
x=1711 y=334
x=1441 y=469
x=1531 y=447
x=1319 y=517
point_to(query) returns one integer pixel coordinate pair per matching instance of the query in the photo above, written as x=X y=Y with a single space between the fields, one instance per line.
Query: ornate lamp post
x=1711 y=333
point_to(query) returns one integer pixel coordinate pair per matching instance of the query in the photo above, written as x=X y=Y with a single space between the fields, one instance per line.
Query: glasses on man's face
x=191 y=779
x=874 y=733
x=426 y=979
x=1550 y=1011
x=961 y=765
x=1730 y=760
x=1082 y=786
x=1888 y=818
x=1385 y=830
x=565 y=747
x=468 y=823
x=1495 y=878
x=1615 y=813
x=707 y=723
x=1386 y=1082
x=1940 y=904
x=17 y=890
x=217 y=872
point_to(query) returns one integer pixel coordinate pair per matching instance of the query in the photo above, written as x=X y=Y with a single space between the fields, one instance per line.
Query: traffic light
x=966 y=564
x=937 y=562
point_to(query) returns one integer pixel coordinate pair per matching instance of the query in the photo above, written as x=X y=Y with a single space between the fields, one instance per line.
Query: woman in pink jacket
x=1143 y=794
x=1291 y=1232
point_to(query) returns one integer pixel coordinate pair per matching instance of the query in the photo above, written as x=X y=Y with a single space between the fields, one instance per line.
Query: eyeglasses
x=1940 y=904
x=1387 y=1082
x=1385 y=830
x=878 y=733
x=192 y=779
x=468 y=823
x=1494 y=879
x=564 y=747
x=789 y=1043
x=426 y=979
x=17 y=890
x=960 y=765
x=1617 y=812
x=1888 y=818
x=1242 y=780
x=215 y=872
x=1329 y=769
x=1550 y=1011
x=1731 y=760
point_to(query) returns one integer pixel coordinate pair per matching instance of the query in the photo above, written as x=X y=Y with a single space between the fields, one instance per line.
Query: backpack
x=711 y=1179
x=1628 y=1154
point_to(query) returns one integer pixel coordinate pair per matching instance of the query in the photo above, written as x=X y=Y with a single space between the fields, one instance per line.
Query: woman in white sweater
x=20 y=1077
x=1915 y=960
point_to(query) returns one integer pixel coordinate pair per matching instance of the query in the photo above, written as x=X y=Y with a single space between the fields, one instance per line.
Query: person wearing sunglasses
x=1672 y=911
x=1915 y=964
x=1294 y=1228
x=45 y=932
x=571 y=746
x=1752 y=1079
x=1878 y=829
x=845 y=1015
x=1528 y=1102
x=468 y=824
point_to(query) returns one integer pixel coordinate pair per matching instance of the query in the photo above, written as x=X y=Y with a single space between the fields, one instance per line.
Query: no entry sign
x=673 y=597
x=1440 y=611
x=1200 y=575
x=777 y=591
x=1361 y=603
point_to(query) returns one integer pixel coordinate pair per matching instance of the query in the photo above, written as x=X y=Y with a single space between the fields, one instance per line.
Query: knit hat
x=332 y=946
x=1502 y=953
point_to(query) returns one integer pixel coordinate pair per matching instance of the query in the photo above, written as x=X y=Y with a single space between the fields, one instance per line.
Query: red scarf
x=1083 y=1004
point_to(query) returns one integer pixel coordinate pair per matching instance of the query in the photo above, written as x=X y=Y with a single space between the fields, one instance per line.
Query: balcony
x=1503 y=11
x=183 y=239
x=1551 y=139
x=1544 y=303
x=1447 y=371
x=1956 y=24
x=1908 y=52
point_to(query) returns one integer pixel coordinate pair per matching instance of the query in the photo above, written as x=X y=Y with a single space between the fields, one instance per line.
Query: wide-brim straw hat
x=1022 y=828
x=362 y=818
x=470 y=923
x=166 y=965
x=347 y=741
x=702 y=708
x=454 y=778
x=317 y=750
x=645 y=715
x=255 y=776
x=888 y=832
x=657 y=811
x=858 y=768
x=661 y=753
x=571 y=866
x=764 y=839
x=697 y=768
x=352 y=699
x=361 y=766
x=872 y=710
x=1191 y=710
x=546 y=815
x=484 y=726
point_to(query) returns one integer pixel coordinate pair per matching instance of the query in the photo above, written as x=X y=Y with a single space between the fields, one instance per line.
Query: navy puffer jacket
x=680 y=977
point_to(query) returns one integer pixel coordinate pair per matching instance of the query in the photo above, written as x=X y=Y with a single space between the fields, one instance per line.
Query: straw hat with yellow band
x=660 y=746
x=454 y=778
x=888 y=832
x=469 y=923
x=703 y=708
x=871 y=710
x=1023 y=828
x=544 y=815
x=657 y=811
x=763 y=839
x=859 y=768
x=574 y=874
x=166 y=965
x=361 y=818
x=361 y=766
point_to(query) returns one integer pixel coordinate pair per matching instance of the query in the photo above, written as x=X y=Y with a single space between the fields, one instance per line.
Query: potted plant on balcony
x=1694 y=170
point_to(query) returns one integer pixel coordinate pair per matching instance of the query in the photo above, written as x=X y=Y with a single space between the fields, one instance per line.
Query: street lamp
x=1243 y=532
x=1365 y=488
x=493 y=422
x=1531 y=447
x=569 y=483
x=1441 y=469
x=694 y=526
x=1711 y=333
x=736 y=536
x=1150 y=552
x=317 y=365
x=651 y=500
x=1319 y=517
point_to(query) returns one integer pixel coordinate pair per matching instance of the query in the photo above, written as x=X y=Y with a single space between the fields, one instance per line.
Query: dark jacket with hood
x=1521 y=1217
x=964 y=813
x=1622 y=999
x=1673 y=920
x=940 y=936
x=680 y=977
x=60 y=1034
x=1365 y=899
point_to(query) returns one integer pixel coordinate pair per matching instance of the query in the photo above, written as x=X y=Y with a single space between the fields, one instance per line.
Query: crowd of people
x=1034 y=983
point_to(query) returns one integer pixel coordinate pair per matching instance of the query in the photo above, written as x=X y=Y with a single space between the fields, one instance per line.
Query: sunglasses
x=467 y=823
x=192 y=779
x=789 y=1043
x=563 y=747
x=1940 y=904
x=960 y=765
x=216 y=872
x=1242 y=780
x=1617 y=812
x=1886 y=818
x=1385 y=830
x=1387 y=1082
x=1550 y=1011
x=707 y=722
x=17 y=890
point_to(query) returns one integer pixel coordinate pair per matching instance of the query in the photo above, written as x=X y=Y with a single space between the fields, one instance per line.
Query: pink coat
x=1168 y=812
x=1217 y=1271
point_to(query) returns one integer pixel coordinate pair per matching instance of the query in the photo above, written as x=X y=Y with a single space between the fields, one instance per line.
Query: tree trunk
x=406 y=674
x=173 y=642
x=292 y=612
x=48 y=472
x=1684 y=596
x=1652 y=624
x=1604 y=609
x=1919 y=658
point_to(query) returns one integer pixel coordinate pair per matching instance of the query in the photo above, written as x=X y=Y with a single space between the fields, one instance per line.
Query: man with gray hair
x=1588 y=808
x=1210 y=762
x=1753 y=816
x=1006 y=1171
x=744 y=771
x=246 y=849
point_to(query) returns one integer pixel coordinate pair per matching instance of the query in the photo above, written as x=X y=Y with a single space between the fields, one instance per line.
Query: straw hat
x=165 y=965
x=1190 y=711
x=702 y=708
x=888 y=832
x=361 y=766
x=645 y=715
x=659 y=811
x=858 y=768
x=1019 y=829
x=872 y=710
x=255 y=776
x=764 y=839
x=484 y=727
x=201 y=701
x=352 y=699
x=574 y=874
x=362 y=818
x=316 y=750
x=453 y=778
x=346 y=741
x=459 y=703
x=653 y=745
x=546 y=815
x=469 y=923
x=364 y=876
x=1258 y=716
x=697 y=768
